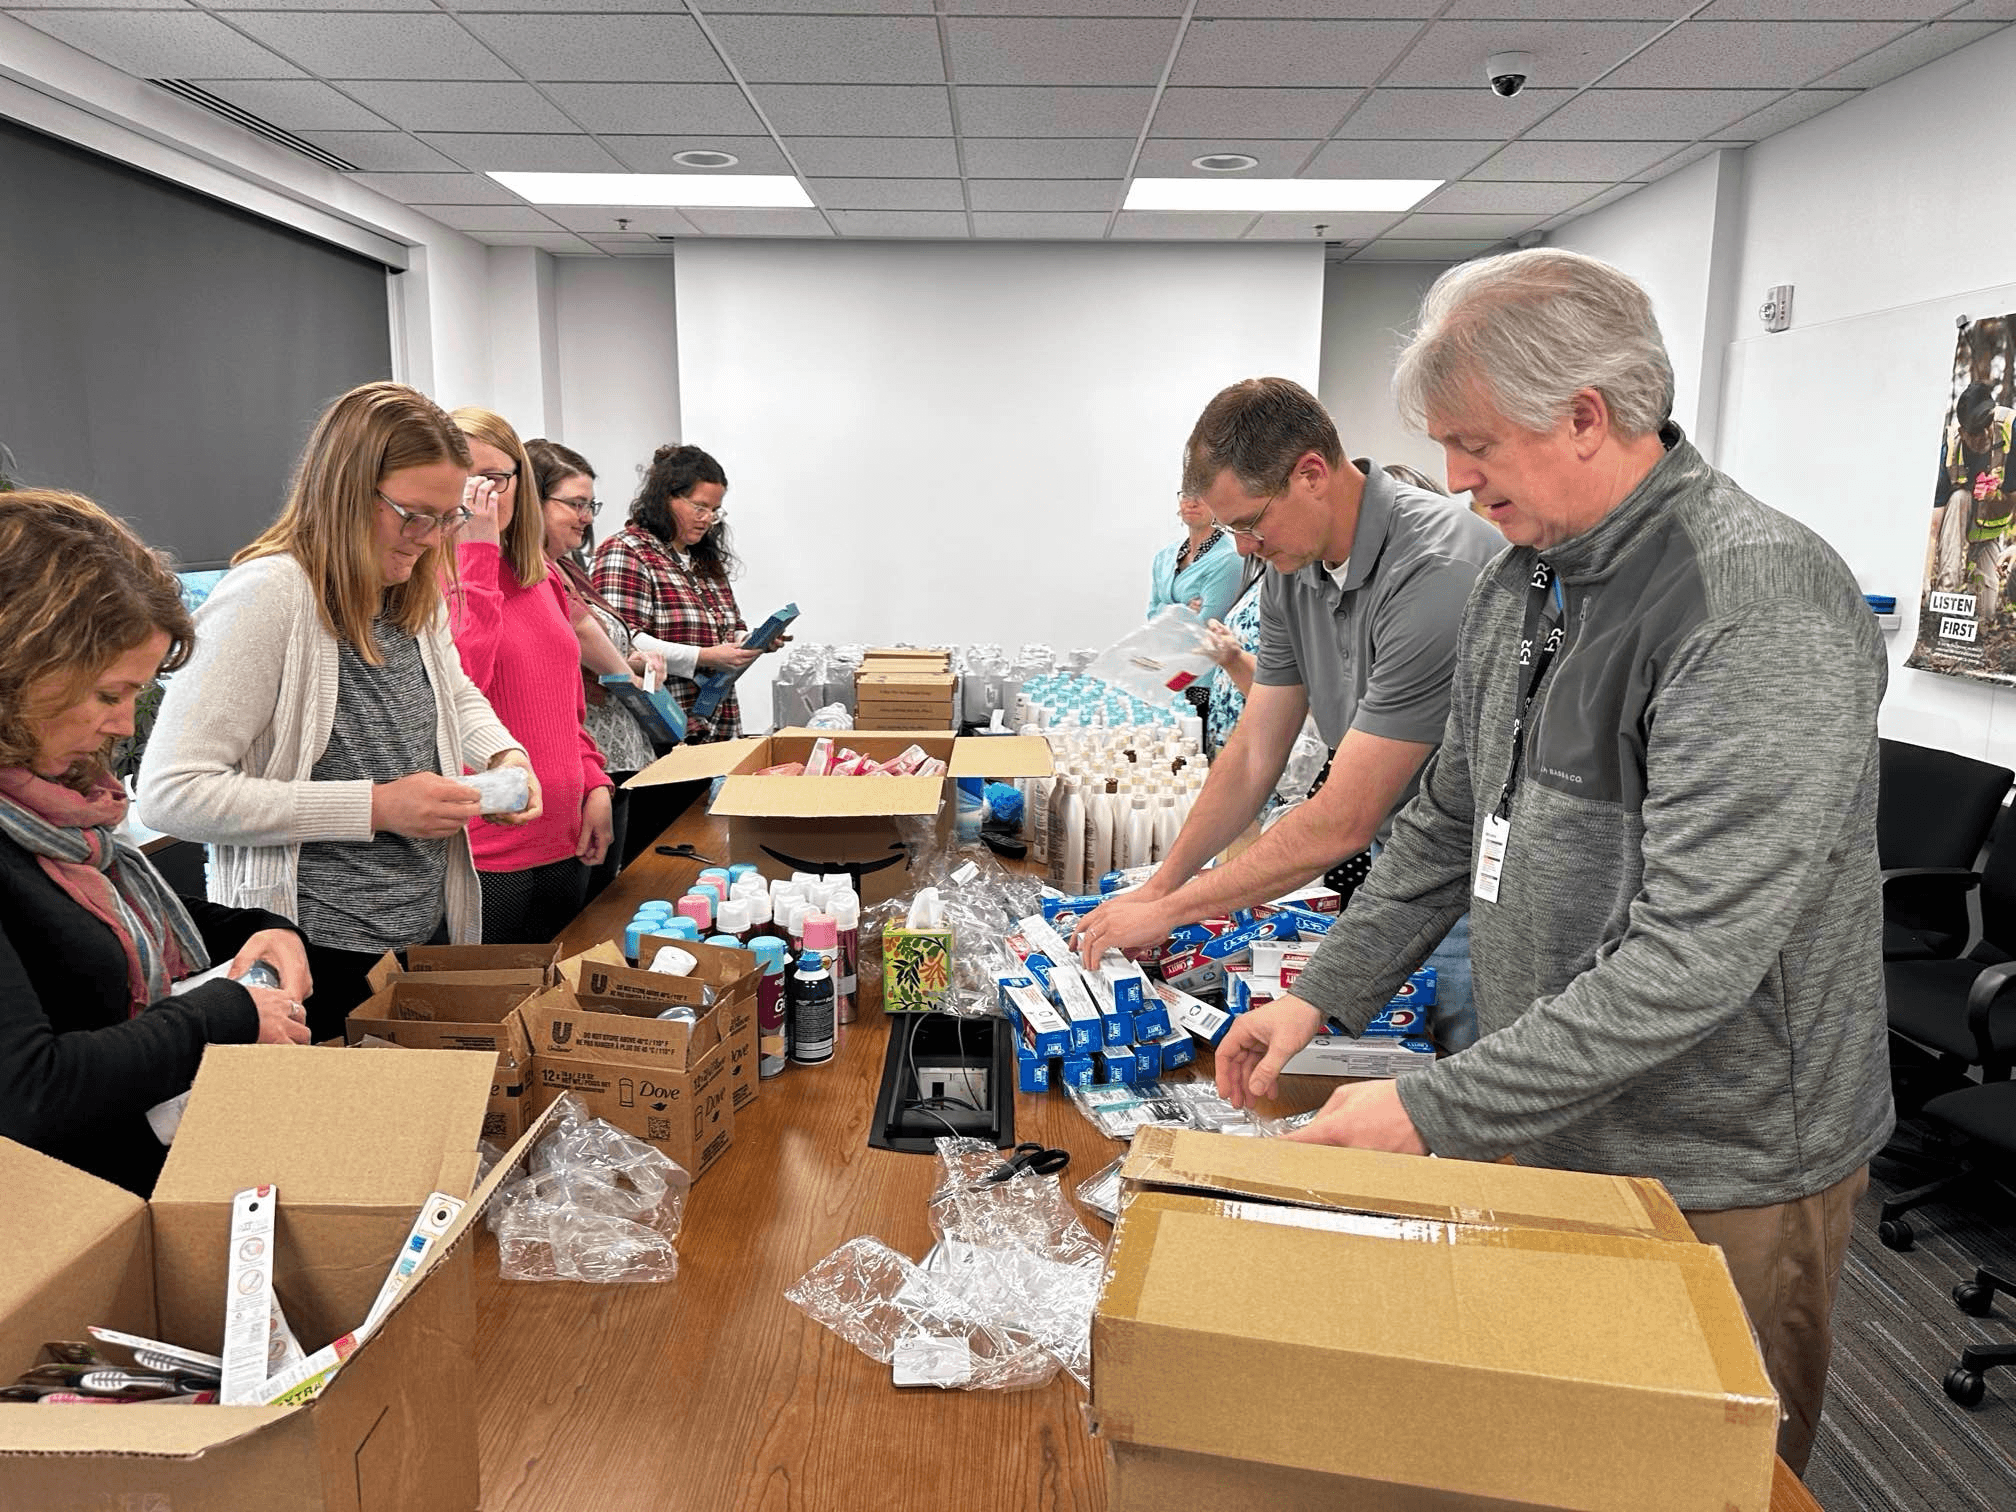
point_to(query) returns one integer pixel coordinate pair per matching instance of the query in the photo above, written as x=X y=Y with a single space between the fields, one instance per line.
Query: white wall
x=969 y=443
x=618 y=327
x=1368 y=310
x=1887 y=234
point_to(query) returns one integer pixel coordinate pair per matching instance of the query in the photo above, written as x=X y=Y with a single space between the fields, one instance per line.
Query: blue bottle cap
x=769 y=950
x=678 y=929
x=728 y=940
x=743 y=869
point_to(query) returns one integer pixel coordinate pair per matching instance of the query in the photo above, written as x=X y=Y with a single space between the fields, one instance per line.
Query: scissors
x=685 y=852
x=1030 y=1156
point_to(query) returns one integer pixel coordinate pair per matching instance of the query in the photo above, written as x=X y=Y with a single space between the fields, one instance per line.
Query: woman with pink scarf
x=91 y=938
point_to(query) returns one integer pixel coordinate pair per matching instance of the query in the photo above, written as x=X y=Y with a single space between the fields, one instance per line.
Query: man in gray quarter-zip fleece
x=1670 y=859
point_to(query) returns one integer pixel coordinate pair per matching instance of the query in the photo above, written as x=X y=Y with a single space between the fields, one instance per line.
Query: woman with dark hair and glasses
x=317 y=736
x=666 y=573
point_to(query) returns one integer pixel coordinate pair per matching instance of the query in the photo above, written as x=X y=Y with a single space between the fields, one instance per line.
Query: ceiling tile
x=296 y=104
x=381 y=151
x=856 y=109
x=1040 y=227
x=318 y=5
x=488 y=217
x=354 y=46
x=1039 y=51
x=940 y=223
x=163 y=44
x=545 y=241
x=1824 y=10
x=1747 y=55
x=1406 y=249
x=32 y=5
x=503 y=151
x=1473 y=114
x=1651 y=114
x=1036 y=157
x=1802 y=105
x=1396 y=159
x=1300 y=225
x=442 y=106
x=1064 y=7
x=1678 y=160
x=1045 y=194
x=1986 y=10
x=1172 y=159
x=1912 y=50
x=438 y=188
x=1324 y=9
x=832 y=49
x=696 y=109
x=654 y=6
x=1179 y=225
x=804 y=7
x=990 y=110
x=875 y=157
x=715 y=222
x=1565 y=53
x=1573 y=10
x=1291 y=114
x=888 y=194
x=653 y=154
x=603 y=49
x=638 y=246
x=1471 y=198
x=1459 y=227
x=1609 y=196
x=600 y=220
x=1610 y=161
x=1312 y=53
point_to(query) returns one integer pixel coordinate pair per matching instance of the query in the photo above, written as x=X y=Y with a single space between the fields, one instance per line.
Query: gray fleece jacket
x=1682 y=974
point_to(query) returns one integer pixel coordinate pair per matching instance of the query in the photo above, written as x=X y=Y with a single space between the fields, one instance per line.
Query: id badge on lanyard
x=1491 y=858
x=1536 y=653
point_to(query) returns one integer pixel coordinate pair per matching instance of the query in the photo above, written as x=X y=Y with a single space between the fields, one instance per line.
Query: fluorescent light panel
x=1278 y=194
x=645 y=190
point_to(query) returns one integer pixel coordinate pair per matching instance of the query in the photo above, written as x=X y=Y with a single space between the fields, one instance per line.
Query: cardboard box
x=527 y=966
x=444 y=1011
x=735 y=978
x=834 y=824
x=354 y=1144
x=662 y=1080
x=1582 y=1351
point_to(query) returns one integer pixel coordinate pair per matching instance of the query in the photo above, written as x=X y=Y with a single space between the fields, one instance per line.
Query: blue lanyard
x=1539 y=655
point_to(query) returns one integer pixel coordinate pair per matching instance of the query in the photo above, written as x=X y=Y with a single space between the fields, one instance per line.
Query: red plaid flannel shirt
x=643 y=581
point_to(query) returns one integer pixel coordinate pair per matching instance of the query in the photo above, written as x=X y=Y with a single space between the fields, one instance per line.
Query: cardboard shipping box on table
x=733 y=975
x=1570 y=1342
x=527 y=966
x=662 y=1080
x=832 y=824
x=355 y=1145
x=442 y=1011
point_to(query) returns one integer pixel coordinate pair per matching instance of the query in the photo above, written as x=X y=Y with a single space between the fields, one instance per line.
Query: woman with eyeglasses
x=514 y=627
x=666 y=572
x=1201 y=571
x=317 y=735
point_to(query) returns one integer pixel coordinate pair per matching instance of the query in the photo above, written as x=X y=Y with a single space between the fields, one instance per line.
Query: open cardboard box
x=527 y=966
x=1579 y=1349
x=602 y=971
x=354 y=1144
x=446 y=1011
x=830 y=824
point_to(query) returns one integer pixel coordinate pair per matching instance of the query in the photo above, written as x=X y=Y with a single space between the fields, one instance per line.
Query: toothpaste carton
x=1247 y=990
x=1192 y=971
x=1183 y=937
x=1147 y=1061
x=1126 y=981
x=1237 y=945
x=1152 y=1022
x=1315 y=898
x=1340 y=1055
x=1062 y=913
x=1067 y=983
x=1176 y=1050
x=1120 y=1063
x=1419 y=990
x=1193 y=1015
x=1308 y=926
x=1032 y=1072
x=1075 y=1071
x=1400 y=1022
x=1044 y=1030
x=1292 y=963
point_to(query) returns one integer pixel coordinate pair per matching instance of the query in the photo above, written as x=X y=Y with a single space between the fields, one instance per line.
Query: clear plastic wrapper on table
x=1119 y=1111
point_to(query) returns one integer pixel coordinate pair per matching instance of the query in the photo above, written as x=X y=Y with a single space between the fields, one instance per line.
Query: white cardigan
x=244 y=722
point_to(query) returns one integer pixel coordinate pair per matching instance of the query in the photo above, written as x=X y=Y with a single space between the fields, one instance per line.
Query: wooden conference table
x=714 y=1394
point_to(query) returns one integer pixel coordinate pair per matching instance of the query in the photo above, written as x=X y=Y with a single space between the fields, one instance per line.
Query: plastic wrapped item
x=1119 y=1111
x=832 y=716
x=1164 y=656
x=1305 y=763
x=505 y=790
x=1099 y=1193
x=593 y=1204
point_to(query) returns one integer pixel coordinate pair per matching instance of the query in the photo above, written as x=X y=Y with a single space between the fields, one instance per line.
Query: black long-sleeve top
x=77 y=1074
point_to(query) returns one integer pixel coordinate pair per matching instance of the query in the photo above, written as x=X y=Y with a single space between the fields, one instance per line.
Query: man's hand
x=534 y=803
x=1363 y=1116
x=597 y=828
x=1126 y=922
x=282 y=950
x=1258 y=1045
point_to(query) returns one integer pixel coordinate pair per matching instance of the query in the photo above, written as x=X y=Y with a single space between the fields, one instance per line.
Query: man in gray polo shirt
x=1358 y=626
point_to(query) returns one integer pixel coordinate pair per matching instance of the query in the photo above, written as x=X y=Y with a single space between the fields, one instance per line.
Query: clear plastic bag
x=1119 y=1111
x=834 y=716
x=593 y=1204
x=1164 y=656
x=1305 y=764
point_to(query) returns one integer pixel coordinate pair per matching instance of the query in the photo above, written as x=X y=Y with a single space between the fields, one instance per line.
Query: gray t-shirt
x=1376 y=654
x=390 y=891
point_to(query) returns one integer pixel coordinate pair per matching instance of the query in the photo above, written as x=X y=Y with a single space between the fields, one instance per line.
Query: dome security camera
x=1507 y=72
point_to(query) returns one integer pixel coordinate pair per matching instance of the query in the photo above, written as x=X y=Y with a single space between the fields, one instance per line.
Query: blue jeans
x=1453 y=1019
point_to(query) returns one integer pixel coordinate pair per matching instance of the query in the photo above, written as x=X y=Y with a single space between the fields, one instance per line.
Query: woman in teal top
x=1201 y=571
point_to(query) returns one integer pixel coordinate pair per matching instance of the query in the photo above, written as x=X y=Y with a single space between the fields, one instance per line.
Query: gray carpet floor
x=1890 y=1439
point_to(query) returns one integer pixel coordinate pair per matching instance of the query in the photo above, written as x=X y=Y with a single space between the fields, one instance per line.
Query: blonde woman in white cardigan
x=316 y=735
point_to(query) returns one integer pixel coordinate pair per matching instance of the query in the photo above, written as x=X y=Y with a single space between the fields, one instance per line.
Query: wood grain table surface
x=712 y=1393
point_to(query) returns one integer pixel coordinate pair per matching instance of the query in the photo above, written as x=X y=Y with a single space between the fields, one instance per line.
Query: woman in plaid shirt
x=666 y=572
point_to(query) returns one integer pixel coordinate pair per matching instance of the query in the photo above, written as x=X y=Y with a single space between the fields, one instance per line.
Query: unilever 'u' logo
x=563 y=1031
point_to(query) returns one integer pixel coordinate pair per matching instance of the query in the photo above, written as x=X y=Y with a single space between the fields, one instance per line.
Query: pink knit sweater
x=518 y=646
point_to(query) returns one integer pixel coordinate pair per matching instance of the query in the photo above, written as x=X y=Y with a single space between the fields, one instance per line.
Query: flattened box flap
x=1371 y=1181
x=66 y=1247
x=1001 y=756
x=698 y=763
x=828 y=797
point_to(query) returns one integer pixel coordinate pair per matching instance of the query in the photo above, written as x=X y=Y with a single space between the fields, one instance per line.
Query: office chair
x=1981 y=1120
x=1933 y=814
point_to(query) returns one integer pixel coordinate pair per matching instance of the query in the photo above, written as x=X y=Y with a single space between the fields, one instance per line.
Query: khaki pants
x=1786 y=1261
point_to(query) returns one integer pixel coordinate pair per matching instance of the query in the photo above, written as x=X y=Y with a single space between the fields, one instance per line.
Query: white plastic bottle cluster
x=1119 y=798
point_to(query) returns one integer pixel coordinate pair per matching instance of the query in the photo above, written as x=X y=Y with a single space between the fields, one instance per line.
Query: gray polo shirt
x=1377 y=654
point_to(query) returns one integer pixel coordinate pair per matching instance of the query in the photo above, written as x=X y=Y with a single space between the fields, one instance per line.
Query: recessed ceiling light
x=704 y=157
x=741 y=190
x=1278 y=194
x=1225 y=162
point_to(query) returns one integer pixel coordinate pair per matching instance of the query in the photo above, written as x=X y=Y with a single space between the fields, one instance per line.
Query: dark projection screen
x=166 y=353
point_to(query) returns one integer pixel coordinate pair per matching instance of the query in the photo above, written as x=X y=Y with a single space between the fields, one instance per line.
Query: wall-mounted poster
x=1967 y=614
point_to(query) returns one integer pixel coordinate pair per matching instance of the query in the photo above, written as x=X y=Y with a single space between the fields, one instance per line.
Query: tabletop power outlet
x=944 y=1076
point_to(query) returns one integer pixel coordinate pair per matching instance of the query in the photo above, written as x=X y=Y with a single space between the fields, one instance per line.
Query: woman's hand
x=1224 y=647
x=282 y=950
x=282 y=1021
x=479 y=497
x=424 y=806
x=598 y=828
x=646 y=663
x=535 y=803
x=729 y=656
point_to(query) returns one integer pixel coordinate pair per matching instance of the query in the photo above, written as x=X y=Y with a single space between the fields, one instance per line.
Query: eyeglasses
x=418 y=524
x=1251 y=529
x=712 y=511
x=589 y=507
x=499 y=480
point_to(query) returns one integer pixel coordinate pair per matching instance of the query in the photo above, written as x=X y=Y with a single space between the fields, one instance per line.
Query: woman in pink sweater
x=512 y=628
